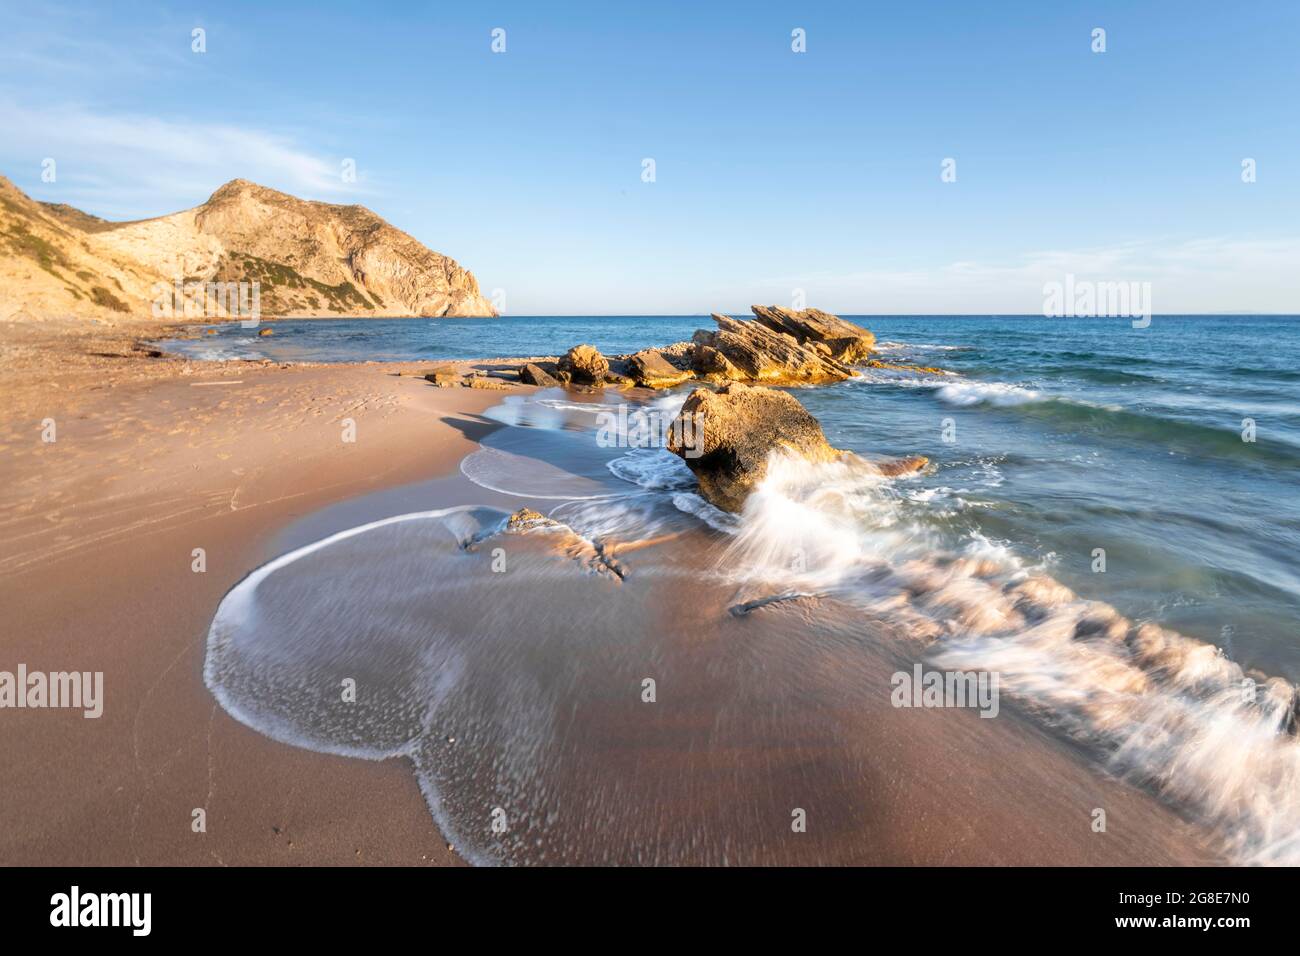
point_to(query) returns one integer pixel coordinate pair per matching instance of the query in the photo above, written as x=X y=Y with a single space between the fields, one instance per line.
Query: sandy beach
x=648 y=438
x=156 y=457
x=153 y=459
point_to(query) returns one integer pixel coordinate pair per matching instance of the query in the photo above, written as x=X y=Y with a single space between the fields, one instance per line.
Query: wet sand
x=786 y=707
x=95 y=574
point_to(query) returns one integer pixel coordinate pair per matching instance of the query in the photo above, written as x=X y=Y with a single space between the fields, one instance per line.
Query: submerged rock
x=592 y=554
x=526 y=519
x=726 y=436
x=902 y=466
x=897 y=367
x=585 y=365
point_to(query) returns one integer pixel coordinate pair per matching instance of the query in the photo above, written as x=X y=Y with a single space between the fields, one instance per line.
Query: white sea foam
x=235 y=614
x=954 y=389
x=999 y=394
x=526 y=477
x=227 y=353
x=592 y=408
x=670 y=403
x=1164 y=710
x=717 y=519
x=891 y=347
x=655 y=469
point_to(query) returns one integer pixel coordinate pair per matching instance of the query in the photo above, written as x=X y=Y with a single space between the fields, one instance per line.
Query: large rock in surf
x=649 y=368
x=726 y=436
x=585 y=365
x=843 y=340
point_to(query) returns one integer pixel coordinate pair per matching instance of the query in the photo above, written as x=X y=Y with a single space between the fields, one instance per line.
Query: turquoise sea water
x=1070 y=435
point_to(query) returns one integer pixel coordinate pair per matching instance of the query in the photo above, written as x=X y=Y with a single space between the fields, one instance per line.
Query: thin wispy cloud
x=1213 y=274
x=125 y=165
x=524 y=163
x=49 y=43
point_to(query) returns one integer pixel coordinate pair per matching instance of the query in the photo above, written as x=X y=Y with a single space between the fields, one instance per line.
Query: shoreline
x=124 y=791
x=96 y=569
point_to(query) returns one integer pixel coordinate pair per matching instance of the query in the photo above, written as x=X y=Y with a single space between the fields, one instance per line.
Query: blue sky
x=774 y=170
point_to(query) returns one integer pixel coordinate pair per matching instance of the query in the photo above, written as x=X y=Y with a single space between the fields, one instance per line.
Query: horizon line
x=879 y=315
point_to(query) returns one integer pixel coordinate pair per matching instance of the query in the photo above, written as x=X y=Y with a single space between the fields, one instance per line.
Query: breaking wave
x=1163 y=710
x=990 y=393
x=465 y=654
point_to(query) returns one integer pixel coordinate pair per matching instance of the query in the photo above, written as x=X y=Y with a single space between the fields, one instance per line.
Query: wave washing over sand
x=1166 y=711
x=518 y=696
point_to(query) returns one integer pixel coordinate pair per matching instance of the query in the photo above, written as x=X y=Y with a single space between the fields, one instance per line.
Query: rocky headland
x=308 y=259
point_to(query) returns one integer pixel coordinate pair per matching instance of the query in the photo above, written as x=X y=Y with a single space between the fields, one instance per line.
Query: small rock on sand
x=532 y=374
x=649 y=368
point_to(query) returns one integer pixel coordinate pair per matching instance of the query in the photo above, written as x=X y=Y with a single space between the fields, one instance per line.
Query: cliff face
x=364 y=263
x=308 y=258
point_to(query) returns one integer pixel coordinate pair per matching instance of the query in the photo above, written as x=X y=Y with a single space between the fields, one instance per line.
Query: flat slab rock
x=532 y=374
x=650 y=369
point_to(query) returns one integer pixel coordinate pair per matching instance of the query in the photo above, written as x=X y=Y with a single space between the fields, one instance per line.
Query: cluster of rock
x=777 y=347
x=727 y=430
x=780 y=346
